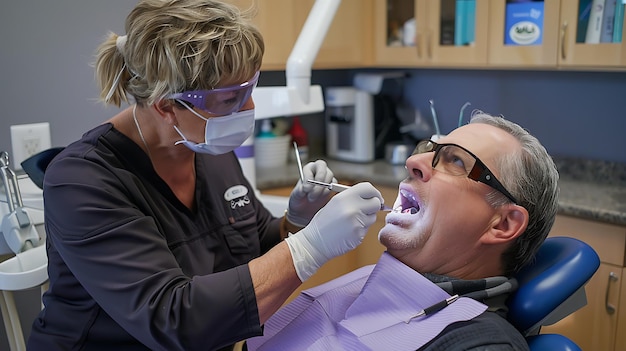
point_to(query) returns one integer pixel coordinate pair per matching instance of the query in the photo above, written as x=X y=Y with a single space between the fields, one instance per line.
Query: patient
x=474 y=209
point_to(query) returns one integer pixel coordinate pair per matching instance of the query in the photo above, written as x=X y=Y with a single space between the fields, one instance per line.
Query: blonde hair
x=178 y=45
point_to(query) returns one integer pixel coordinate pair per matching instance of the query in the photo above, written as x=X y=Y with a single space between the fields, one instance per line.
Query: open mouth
x=408 y=203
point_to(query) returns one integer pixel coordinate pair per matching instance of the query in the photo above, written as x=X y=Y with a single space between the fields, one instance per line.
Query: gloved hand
x=306 y=199
x=337 y=228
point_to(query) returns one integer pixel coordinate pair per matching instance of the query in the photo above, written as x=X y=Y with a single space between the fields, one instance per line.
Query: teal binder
x=464 y=22
x=618 y=23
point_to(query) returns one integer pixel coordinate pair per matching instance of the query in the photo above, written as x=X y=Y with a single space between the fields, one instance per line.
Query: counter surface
x=597 y=199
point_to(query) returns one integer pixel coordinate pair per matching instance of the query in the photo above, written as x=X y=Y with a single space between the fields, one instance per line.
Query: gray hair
x=177 y=45
x=531 y=177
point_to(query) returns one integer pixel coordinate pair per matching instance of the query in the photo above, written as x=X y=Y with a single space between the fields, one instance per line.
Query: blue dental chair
x=551 y=288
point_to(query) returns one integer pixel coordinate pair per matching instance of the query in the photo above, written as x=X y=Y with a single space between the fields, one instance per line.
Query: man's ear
x=166 y=109
x=509 y=222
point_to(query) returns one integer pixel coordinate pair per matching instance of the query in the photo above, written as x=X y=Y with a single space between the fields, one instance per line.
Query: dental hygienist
x=155 y=239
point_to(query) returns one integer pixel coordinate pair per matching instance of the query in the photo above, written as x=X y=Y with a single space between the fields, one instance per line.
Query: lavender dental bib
x=366 y=309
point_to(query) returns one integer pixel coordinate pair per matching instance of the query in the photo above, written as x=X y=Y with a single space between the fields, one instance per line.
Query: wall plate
x=27 y=140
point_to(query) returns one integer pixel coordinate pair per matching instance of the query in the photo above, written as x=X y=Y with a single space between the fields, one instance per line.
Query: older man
x=475 y=207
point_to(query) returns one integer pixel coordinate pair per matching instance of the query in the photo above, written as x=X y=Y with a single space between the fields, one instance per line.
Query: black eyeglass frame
x=478 y=173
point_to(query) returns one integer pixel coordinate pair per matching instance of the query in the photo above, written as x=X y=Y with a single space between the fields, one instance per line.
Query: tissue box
x=524 y=23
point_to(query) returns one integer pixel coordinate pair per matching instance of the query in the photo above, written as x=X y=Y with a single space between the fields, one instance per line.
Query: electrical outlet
x=27 y=140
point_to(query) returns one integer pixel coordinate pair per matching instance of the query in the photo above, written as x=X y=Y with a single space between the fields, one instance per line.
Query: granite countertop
x=592 y=190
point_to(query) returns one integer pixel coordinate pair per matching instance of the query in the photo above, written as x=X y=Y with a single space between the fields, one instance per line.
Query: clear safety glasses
x=219 y=101
x=456 y=160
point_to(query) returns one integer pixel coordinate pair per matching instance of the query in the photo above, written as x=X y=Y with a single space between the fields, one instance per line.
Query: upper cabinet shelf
x=549 y=34
x=566 y=36
x=346 y=44
x=430 y=33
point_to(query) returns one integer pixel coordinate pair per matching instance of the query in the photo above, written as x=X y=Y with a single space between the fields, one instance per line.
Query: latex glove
x=337 y=228
x=306 y=198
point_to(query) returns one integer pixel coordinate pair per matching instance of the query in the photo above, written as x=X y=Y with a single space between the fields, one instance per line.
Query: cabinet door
x=509 y=50
x=578 y=45
x=434 y=33
x=348 y=41
x=593 y=327
x=275 y=19
x=397 y=44
x=456 y=32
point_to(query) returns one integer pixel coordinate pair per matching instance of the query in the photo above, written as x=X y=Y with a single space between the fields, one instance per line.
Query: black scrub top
x=131 y=267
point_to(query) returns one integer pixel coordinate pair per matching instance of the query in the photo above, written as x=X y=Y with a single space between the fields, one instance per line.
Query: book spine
x=608 y=20
x=470 y=26
x=459 y=22
x=618 y=22
x=594 y=27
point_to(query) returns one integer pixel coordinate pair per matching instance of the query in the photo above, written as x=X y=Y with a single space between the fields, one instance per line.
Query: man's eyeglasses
x=219 y=101
x=456 y=160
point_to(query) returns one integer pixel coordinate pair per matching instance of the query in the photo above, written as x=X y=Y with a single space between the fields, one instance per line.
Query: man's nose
x=419 y=166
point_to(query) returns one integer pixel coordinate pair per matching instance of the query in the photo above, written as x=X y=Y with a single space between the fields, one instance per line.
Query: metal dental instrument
x=461 y=112
x=435 y=120
x=295 y=147
x=336 y=187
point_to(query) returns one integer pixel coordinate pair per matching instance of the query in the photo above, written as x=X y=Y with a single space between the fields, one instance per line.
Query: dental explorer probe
x=331 y=186
x=336 y=187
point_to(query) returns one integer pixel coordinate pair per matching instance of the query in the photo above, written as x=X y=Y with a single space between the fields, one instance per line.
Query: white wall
x=46 y=51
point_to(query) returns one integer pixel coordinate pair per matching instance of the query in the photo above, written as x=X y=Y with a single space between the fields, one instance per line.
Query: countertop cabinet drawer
x=608 y=240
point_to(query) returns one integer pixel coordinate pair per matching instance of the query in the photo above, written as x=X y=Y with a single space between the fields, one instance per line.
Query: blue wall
x=574 y=114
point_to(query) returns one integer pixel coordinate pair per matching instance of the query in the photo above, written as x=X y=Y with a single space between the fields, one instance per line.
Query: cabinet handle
x=418 y=45
x=563 y=32
x=429 y=47
x=610 y=308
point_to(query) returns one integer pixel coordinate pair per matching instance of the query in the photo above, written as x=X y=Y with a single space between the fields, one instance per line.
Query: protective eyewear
x=219 y=101
x=456 y=160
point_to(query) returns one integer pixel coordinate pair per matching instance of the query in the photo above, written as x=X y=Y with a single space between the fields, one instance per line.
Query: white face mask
x=221 y=134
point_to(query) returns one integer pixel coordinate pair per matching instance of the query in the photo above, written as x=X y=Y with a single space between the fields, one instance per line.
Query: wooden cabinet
x=348 y=41
x=427 y=43
x=563 y=40
x=597 y=325
x=277 y=24
x=417 y=34
x=420 y=33
x=574 y=52
x=542 y=55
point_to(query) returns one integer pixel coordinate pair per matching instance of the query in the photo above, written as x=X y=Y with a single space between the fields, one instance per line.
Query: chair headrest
x=562 y=266
x=35 y=166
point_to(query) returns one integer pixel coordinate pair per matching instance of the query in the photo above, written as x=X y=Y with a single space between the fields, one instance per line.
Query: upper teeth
x=411 y=201
x=408 y=195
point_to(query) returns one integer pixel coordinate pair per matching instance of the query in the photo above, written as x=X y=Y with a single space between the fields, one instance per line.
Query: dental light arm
x=308 y=44
x=299 y=97
x=18 y=232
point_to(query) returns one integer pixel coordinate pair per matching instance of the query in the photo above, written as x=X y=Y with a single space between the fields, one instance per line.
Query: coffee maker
x=349 y=124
